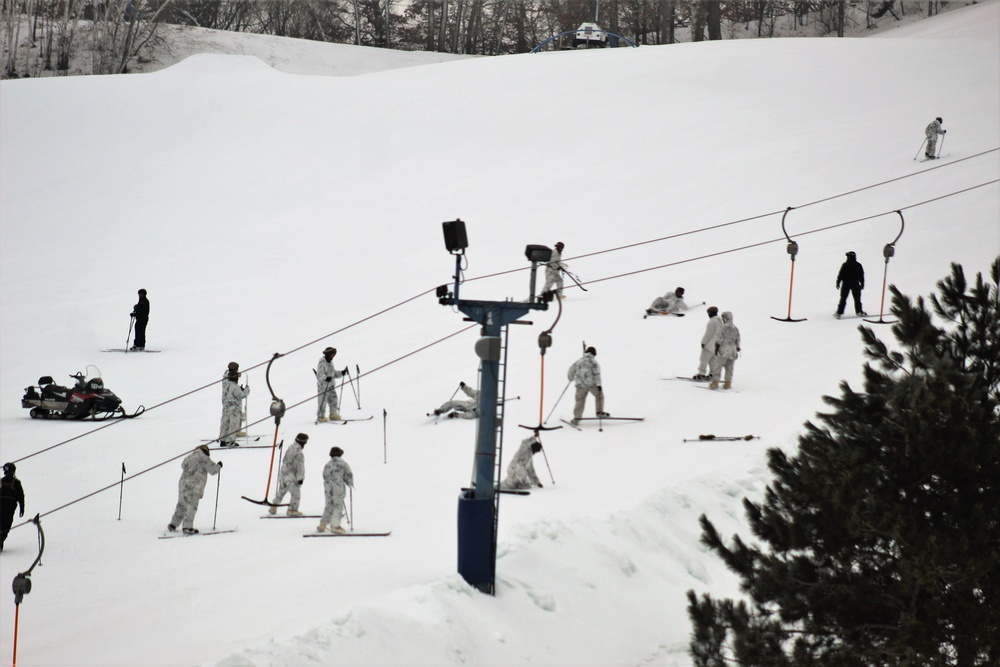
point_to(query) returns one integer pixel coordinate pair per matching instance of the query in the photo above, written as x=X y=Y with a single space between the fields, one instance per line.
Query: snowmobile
x=88 y=399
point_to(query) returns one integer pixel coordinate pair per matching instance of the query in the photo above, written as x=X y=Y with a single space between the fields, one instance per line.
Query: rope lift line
x=777 y=240
x=754 y=217
x=589 y=282
x=251 y=424
x=464 y=329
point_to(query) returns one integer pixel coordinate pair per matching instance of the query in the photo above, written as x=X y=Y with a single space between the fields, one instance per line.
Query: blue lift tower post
x=478 y=507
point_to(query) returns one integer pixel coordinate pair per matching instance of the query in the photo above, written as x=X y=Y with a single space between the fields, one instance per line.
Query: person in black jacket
x=850 y=280
x=11 y=495
x=141 y=314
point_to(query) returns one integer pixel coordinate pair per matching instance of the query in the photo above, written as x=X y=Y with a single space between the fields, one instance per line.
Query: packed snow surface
x=268 y=212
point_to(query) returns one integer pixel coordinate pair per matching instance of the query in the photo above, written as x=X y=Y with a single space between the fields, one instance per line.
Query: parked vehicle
x=88 y=399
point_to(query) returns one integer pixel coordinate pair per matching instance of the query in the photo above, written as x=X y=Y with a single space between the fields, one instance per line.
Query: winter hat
x=301 y=438
x=712 y=311
x=330 y=350
x=536 y=447
x=938 y=119
x=679 y=291
x=205 y=449
x=8 y=469
x=591 y=350
x=336 y=451
x=142 y=292
x=233 y=366
x=560 y=245
x=852 y=254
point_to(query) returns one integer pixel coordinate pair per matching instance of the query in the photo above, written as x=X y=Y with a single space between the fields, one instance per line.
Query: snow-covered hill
x=265 y=211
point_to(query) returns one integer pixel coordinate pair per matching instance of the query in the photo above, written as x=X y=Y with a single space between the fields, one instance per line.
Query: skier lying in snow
x=668 y=304
x=460 y=409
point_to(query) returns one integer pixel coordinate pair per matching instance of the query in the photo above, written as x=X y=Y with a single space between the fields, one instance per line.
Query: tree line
x=44 y=37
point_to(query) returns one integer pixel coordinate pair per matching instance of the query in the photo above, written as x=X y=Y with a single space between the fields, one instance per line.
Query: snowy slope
x=264 y=211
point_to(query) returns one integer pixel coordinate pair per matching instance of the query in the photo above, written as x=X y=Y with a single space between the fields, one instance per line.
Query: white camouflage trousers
x=581 y=400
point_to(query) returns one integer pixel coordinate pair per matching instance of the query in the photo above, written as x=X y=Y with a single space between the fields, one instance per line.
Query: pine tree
x=878 y=541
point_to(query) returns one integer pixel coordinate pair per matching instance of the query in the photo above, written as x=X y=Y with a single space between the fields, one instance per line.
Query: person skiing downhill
x=232 y=408
x=708 y=343
x=521 y=469
x=326 y=377
x=932 y=131
x=585 y=373
x=140 y=311
x=293 y=473
x=554 y=271
x=850 y=280
x=337 y=476
x=668 y=304
x=461 y=409
x=725 y=351
x=11 y=496
x=195 y=469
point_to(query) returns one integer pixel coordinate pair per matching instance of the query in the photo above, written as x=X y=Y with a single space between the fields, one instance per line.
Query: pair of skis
x=722 y=438
x=600 y=421
x=324 y=534
x=344 y=422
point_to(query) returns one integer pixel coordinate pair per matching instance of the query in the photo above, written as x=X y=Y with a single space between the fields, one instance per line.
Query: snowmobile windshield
x=93 y=377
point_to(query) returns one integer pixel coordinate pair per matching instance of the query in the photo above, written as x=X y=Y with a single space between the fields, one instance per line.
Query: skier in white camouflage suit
x=337 y=476
x=727 y=349
x=554 y=271
x=293 y=473
x=708 y=344
x=521 y=469
x=232 y=408
x=195 y=469
x=326 y=386
x=931 y=132
x=461 y=409
x=585 y=373
x=669 y=303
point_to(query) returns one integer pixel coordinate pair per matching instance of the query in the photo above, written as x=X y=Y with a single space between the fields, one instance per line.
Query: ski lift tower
x=478 y=507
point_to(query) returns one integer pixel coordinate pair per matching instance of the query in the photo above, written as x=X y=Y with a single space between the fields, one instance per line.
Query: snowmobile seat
x=51 y=390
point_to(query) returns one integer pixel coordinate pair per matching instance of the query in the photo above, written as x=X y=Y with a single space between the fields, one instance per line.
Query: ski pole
x=357 y=374
x=384 y=447
x=218 y=483
x=357 y=397
x=548 y=466
x=557 y=401
x=921 y=148
x=131 y=321
x=121 y=488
